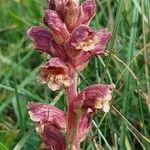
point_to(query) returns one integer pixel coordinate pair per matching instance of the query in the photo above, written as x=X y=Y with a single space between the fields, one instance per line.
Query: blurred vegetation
x=127 y=125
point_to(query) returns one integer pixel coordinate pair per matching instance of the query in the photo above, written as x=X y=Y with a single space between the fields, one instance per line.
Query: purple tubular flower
x=57 y=27
x=51 y=123
x=83 y=38
x=44 y=42
x=56 y=74
x=94 y=97
x=85 y=43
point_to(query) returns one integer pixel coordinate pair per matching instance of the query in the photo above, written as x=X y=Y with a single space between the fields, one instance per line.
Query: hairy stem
x=72 y=121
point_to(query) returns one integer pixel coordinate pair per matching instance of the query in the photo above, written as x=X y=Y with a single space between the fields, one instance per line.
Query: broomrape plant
x=70 y=42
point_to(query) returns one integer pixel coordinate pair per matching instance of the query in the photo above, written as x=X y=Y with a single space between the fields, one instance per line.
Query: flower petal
x=88 y=10
x=57 y=27
x=44 y=113
x=43 y=42
x=94 y=97
x=56 y=74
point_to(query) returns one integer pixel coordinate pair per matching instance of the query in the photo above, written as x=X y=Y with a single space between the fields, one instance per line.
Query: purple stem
x=72 y=116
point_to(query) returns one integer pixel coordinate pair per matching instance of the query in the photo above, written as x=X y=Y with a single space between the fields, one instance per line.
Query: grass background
x=127 y=125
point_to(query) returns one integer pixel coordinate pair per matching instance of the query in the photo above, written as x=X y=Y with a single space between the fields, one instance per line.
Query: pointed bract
x=57 y=5
x=53 y=138
x=84 y=125
x=104 y=36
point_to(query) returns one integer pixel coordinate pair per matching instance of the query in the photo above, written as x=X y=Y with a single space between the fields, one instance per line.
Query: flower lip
x=87 y=45
x=55 y=82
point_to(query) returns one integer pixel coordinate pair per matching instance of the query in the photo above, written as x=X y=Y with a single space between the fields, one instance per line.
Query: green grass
x=127 y=125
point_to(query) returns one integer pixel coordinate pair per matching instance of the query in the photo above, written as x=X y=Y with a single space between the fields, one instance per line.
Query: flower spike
x=71 y=43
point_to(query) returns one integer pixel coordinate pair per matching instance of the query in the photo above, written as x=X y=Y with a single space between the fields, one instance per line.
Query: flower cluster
x=70 y=43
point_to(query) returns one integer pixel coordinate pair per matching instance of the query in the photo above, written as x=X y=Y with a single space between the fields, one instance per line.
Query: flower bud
x=57 y=27
x=71 y=13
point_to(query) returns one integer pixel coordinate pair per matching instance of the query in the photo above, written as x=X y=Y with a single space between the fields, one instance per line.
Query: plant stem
x=72 y=121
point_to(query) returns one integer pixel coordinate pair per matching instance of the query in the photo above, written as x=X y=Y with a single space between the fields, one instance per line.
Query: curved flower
x=51 y=123
x=94 y=97
x=57 y=27
x=55 y=74
x=43 y=41
x=85 y=43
